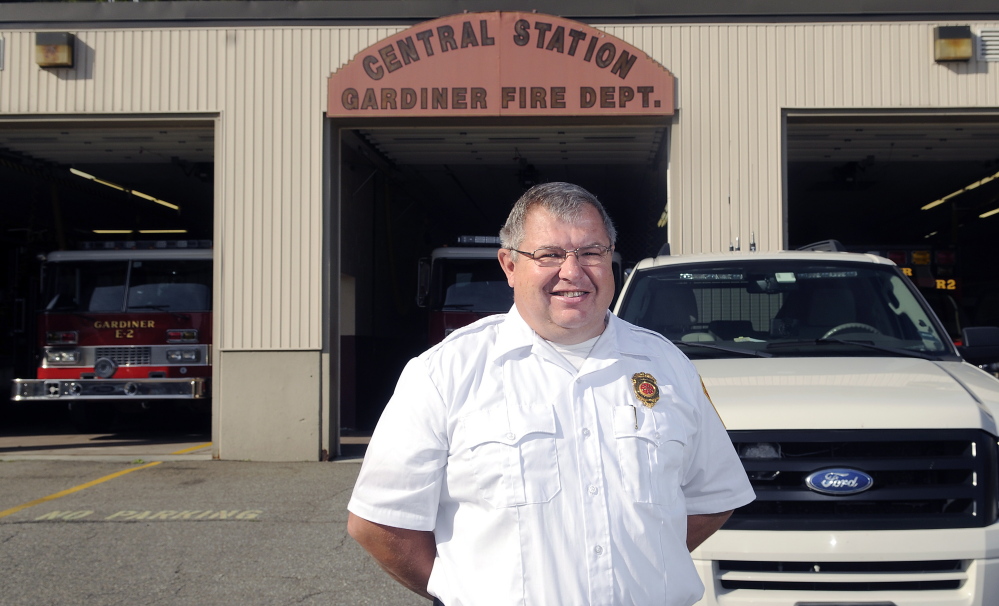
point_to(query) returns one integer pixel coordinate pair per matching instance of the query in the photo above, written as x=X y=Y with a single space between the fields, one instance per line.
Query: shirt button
x=510 y=436
x=657 y=436
x=598 y=550
x=592 y=490
x=586 y=432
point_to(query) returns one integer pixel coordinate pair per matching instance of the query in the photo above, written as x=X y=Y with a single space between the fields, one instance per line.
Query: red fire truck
x=123 y=325
x=460 y=284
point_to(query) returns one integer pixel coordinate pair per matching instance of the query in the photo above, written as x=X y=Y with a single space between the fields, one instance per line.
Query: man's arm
x=407 y=555
x=700 y=527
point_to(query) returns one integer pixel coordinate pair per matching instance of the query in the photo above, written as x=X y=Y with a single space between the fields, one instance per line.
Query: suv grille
x=923 y=479
x=843 y=576
x=124 y=356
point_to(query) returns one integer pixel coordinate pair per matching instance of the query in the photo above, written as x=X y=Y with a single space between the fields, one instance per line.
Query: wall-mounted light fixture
x=953 y=43
x=54 y=49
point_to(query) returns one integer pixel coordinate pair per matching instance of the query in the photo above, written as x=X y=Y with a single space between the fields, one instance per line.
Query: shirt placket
x=596 y=507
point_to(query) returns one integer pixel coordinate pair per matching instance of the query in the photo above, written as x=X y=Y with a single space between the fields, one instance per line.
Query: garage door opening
x=920 y=188
x=406 y=190
x=97 y=207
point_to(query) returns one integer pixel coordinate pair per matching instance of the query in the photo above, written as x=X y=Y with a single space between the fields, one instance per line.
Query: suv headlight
x=181 y=356
x=62 y=357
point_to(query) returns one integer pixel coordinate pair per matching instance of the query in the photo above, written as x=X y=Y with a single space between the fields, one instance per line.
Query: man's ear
x=505 y=257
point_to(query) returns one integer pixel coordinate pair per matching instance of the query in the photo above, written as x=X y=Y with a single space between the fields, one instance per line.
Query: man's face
x=565 y=304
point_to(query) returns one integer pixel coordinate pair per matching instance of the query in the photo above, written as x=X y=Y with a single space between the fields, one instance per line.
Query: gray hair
x=564 y=201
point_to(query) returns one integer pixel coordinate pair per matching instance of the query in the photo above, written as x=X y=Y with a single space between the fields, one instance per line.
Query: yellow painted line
x=192 y=449
x=70 y=491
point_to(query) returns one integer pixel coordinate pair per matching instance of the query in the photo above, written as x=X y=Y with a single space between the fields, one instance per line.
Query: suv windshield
x=785 y=308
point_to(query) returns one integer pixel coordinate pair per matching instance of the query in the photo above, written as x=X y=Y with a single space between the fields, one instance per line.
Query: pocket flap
x=651 y=426
x=507 y=425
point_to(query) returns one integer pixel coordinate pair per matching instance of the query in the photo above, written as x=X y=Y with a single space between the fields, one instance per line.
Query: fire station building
x=324 y=147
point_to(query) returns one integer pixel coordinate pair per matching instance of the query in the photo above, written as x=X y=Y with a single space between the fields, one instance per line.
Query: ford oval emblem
x=839 y=481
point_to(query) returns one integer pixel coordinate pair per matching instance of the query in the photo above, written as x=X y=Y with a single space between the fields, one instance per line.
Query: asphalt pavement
x=159 y=522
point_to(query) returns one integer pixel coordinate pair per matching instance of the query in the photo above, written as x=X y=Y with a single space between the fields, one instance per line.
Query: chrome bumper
x=104 y=389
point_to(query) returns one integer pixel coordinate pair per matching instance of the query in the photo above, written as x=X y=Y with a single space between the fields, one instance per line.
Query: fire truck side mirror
x=423 y=282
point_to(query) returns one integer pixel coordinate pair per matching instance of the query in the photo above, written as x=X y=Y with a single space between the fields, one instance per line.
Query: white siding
x=268 y=88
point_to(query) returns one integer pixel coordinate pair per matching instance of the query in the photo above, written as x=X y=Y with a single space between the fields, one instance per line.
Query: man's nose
x=570 y=267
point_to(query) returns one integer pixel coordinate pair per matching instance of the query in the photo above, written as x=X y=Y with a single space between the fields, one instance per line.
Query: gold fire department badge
x=645 y=388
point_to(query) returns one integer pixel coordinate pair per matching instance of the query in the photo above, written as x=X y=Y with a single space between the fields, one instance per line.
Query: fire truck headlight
x=185 y=356
x=62 y=357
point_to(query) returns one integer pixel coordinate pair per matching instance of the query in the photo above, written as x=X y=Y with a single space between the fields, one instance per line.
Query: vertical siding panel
x=104 y=70
x=861 y=66
x=256 y=247
x=173 y=70
x=184 y=72
x=741 y=53
x=265 y=163
x=842 y=58
x=301 y=69
x=694 y=145
x=921 y=41
x=717 y=155
x=905 y=68
x=229 y=263
x=876 y=80
x=686 y=145
x=284 y=122
x=767 y=187
x=115 y=67
x=157 y=43
x=245 y=203
x=135 y=55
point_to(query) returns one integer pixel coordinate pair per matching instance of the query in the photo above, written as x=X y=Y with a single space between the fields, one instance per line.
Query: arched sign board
x=501 y=64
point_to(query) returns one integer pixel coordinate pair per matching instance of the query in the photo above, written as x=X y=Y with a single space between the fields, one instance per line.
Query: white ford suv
x=870 y=441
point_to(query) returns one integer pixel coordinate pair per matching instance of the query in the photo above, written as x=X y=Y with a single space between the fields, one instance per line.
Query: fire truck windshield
x=476 y=285
x=147 y=285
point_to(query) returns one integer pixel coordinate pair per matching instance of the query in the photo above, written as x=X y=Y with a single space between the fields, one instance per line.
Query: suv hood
x=850 y=393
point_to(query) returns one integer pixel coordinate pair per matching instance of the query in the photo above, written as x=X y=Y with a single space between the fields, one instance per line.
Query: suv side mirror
x=980 y=344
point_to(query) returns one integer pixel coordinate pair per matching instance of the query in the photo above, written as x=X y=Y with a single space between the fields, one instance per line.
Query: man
x=552 y=455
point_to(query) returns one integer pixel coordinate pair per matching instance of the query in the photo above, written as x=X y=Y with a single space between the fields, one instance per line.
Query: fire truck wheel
x=91 y=417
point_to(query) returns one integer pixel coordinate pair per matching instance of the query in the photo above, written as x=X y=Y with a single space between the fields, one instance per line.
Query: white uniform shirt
x=547 y=485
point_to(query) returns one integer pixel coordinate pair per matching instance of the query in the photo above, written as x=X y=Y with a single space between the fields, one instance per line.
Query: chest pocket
x=650 y=455
x=513 y=454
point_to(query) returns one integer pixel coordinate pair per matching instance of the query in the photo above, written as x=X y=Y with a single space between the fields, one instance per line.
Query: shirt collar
x=514 y=334
x=620 y=336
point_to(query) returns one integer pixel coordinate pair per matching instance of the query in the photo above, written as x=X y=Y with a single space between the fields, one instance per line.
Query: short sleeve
x=715 y=479
x=400 y=480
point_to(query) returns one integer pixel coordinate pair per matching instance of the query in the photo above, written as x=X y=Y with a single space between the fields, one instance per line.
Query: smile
x=571 y=294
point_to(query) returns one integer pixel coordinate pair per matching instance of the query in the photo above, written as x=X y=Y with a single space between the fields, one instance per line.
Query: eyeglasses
x=554 y=257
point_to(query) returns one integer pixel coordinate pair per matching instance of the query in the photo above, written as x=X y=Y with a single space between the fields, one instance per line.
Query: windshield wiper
x=868 y=345
x=735 y=350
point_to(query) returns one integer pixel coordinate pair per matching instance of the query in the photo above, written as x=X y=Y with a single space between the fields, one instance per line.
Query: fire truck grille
x=125 y=356
x=921 y=479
